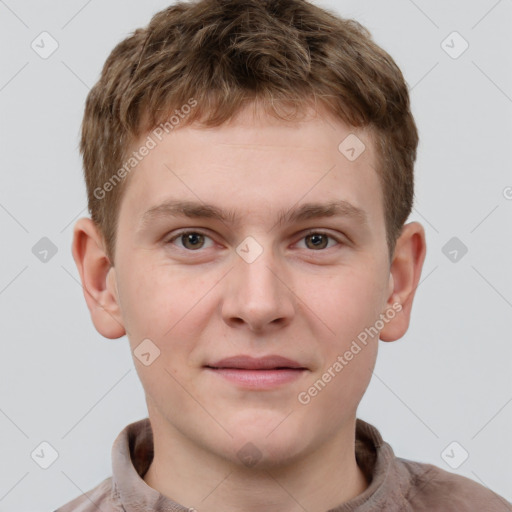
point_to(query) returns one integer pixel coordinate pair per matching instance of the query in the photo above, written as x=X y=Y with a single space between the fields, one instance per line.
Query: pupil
x=317 y=240
x=193 y=239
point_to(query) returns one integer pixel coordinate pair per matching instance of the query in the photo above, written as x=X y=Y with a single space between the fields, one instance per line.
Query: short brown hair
x=226 y=53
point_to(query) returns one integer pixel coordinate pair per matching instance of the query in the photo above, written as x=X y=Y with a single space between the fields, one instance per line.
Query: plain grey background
x=449 y=380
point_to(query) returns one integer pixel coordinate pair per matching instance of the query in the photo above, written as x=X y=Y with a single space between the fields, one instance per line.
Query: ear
x=405 y=272
x=98 y=279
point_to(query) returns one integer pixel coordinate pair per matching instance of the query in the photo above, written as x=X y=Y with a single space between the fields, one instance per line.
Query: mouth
x=243 y=362
x=257 y=373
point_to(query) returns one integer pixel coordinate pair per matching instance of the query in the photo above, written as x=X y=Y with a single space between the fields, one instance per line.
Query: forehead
x=255 y=161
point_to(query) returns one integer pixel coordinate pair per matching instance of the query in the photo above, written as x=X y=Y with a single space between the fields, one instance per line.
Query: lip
x=243 y=362
x=257 y=373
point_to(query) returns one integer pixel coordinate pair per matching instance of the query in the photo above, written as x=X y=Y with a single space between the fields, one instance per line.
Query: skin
x=297 y=300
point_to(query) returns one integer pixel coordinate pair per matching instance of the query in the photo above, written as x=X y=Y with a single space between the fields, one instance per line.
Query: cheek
x=156 y=298
x=343 y=393
x=172 y=309
x=348 y=305
x=345 y=303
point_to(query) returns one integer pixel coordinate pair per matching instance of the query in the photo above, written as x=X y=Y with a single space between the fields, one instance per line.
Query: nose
x=258 y=295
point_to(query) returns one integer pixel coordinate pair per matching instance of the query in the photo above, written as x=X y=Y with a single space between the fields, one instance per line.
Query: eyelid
x=311 y=231
x=186 y=231
x=339 y=239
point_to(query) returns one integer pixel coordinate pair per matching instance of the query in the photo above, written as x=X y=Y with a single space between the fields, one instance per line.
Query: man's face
x=260 y=282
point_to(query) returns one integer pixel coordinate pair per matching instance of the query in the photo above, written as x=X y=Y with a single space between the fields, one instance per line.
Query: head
x=253 y=111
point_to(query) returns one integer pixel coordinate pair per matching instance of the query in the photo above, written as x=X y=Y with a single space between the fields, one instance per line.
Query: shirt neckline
x=132 y=454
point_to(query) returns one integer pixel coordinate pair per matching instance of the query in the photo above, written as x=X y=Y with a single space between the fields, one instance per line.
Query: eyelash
x=199 y=232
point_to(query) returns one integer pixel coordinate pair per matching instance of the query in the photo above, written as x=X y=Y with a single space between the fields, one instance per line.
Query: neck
x=201 y=480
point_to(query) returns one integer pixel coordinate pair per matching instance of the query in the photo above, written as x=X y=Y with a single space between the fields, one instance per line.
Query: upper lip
x=253 y=363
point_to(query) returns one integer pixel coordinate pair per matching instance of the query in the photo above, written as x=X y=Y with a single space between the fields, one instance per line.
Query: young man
x=249 y=168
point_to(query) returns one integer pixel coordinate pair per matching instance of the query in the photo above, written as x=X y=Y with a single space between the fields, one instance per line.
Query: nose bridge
x=256 y=293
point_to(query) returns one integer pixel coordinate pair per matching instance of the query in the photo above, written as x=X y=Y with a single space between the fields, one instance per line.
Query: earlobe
x=405 y=273
x=98 y=284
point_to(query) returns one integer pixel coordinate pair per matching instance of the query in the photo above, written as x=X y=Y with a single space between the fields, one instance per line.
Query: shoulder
x=100 y=497
x=432 y=488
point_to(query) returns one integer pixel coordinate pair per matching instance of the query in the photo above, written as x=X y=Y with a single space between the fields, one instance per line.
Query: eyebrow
x=198 y=210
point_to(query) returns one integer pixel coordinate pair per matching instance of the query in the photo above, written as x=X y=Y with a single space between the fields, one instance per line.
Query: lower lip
x=260 y=379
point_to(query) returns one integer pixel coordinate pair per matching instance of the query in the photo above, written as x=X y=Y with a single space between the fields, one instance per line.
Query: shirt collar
x=132 y=453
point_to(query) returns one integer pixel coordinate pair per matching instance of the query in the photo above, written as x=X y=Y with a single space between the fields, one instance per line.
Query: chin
x=266 y=427
x=261 y=456
x=267 y=445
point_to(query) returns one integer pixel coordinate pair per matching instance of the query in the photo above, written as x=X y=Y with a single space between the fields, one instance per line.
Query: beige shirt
x=397 y=485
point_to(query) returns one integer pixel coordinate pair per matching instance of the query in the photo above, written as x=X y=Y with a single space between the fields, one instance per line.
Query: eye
x=193 y=240
x=190 y=240
x=318 y=240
